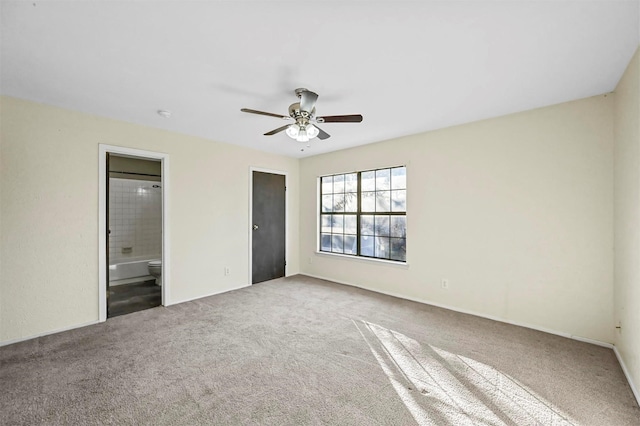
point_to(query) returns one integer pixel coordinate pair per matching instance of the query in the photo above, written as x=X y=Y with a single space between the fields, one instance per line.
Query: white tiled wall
x=135 y=219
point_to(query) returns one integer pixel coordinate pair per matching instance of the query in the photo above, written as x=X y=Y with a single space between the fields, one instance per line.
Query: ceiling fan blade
x=270 y=114
x=278 y=130
x=353 y=118
x=308 y=100
x=322 y=134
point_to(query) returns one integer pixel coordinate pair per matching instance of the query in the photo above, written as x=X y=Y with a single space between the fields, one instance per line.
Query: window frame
x=359 y=213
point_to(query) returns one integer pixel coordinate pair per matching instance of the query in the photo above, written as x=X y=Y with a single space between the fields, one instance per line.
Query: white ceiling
x=406 y=66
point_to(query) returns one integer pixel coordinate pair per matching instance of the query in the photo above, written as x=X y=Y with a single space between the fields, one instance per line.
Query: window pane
x=327 y=203
x=382 y=247
x=350 y=224
x=325 y=242
x=351 y=202
x=366 y=246
x=366 y=225
x=368 y=181
x=398 y=226
x=337 y=224
x=383 y=201
x=338 y=202
x=399 y=201
x=327 y=184
x=368 y=201
x=337 y=244
x=383 y=179
x=399 y=178
x=351 y=182
x=338 y=183
x=398 y=249
x=350 y=244
x=326 y=223
x=382 y=226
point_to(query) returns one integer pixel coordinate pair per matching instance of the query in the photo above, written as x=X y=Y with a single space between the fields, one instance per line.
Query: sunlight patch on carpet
x=443 y=388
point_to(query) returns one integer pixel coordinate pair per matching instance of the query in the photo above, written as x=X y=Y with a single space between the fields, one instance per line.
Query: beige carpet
x=304 y=351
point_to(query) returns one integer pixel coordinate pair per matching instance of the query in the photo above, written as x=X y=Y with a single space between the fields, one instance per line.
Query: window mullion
x=358 y=213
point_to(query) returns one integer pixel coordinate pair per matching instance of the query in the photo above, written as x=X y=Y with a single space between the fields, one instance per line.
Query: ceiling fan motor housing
x=301 y=117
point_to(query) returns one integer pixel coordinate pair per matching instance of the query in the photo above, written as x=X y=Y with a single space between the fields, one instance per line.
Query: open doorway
x=133 y=232
x=134 y=235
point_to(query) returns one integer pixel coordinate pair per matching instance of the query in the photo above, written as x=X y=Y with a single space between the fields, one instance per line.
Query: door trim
x=286 y=218
x=102 y=222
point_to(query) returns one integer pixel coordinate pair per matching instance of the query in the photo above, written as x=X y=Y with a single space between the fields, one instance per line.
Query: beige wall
x=516 y=212
x=49 y=211
x=627 y=218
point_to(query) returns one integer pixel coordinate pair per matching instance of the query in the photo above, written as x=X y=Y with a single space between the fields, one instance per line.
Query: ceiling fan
x=303 y=114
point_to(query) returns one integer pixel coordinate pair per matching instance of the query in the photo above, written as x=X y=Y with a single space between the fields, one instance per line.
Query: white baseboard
x=627 y=375
x=469 y=312
x=591 y=341
x=209 y=294
x=46 y=333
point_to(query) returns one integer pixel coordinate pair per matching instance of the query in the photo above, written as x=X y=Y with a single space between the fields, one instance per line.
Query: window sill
x=396 y=264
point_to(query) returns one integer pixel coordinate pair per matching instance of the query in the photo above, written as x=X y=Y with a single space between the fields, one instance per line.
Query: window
x=365 y=214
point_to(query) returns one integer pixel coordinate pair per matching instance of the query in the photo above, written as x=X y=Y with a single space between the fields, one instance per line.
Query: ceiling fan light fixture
x=302 y=135
x=292 y=131
x=312 y=131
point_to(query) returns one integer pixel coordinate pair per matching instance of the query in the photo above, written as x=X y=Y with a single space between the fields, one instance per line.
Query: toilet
x=155 y=270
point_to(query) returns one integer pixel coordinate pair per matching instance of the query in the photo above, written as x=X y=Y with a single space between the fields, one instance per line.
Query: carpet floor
x=297 y=351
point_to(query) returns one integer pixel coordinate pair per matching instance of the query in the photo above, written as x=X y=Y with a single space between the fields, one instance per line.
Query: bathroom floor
x=134 y=297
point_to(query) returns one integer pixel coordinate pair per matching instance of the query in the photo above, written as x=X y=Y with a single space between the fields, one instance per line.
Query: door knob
x=255 y=227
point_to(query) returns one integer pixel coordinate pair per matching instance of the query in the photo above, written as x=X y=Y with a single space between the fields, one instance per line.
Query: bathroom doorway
x=134 y=240
x=133 y=237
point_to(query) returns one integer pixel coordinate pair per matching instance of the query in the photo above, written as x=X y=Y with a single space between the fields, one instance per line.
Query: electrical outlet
x=227 y=271
x=444 y=283
x=310 y=260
